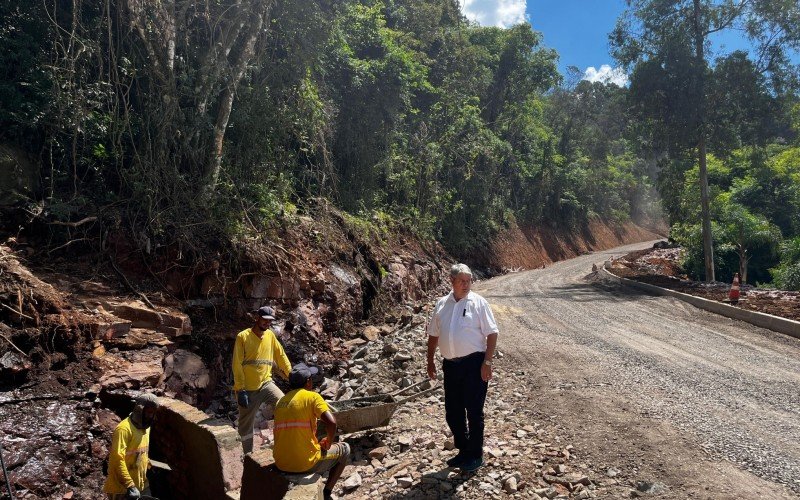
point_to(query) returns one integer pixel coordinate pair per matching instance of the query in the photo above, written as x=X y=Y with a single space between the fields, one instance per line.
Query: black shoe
x=471 y=465
x=458 y=460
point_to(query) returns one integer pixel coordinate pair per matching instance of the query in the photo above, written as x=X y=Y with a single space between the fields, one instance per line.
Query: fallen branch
x=70 y=242
x=13 y=345
x=128 y=283
x=74 y=224
x=19 y=313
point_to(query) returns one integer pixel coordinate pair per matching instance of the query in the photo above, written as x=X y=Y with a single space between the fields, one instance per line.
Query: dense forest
x=202 y=121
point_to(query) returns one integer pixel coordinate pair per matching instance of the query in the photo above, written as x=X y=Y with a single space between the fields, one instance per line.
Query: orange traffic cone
x=733 y=295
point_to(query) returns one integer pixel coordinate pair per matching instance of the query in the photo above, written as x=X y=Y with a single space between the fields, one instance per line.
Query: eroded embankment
x=85 y=331
x=533 y=247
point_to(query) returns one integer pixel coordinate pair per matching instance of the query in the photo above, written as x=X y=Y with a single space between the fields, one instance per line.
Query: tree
x=184 y=122
x=180 y=42
x=741 y=109
x=665 y=35
x=373 y=75
x=744 y=230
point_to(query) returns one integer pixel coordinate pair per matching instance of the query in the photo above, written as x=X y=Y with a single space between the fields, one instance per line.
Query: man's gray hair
x=146 y=399
x=459 y=269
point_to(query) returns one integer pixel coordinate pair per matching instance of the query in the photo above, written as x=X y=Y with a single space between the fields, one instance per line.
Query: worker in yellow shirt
x=255 y=353
x=296 y=447
x=128 y=459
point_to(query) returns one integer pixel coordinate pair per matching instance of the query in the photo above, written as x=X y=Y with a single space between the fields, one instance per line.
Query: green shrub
x=787 y=274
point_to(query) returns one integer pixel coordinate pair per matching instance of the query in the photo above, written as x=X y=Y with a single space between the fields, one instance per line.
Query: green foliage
x=370 y=227
x=24 y=82
x=690 y=238
x=787 y=274
x=754 y=201
x=399 y=111
x=767 y=181
x=685 y=105
x=752 y=237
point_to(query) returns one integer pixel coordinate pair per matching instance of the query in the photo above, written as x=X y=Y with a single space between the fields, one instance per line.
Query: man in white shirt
x=463 y=327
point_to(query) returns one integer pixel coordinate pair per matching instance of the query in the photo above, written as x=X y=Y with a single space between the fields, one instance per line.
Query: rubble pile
x=661 y=267
x=524 y=453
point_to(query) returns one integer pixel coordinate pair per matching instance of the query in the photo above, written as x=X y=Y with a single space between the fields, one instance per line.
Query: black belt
x=463 y=358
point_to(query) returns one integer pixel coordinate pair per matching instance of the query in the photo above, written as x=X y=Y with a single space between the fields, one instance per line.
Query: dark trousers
x=464 y=395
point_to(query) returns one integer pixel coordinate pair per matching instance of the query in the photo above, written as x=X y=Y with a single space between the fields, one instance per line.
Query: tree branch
x=13 y=345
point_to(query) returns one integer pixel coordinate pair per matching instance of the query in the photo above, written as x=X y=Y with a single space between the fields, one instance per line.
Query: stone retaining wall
x=204 y=453
x=262 y=481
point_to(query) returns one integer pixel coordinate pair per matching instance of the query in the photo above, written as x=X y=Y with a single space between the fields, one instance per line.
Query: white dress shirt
x=462 y=327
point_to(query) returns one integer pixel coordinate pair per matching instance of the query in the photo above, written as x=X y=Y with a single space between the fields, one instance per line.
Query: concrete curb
x=768 y=321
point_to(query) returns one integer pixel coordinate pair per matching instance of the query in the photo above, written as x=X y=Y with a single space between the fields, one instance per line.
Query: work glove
x=243 y=399
x=133 y=492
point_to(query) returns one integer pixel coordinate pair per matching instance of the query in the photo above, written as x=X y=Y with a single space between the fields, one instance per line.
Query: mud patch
x=47 y=449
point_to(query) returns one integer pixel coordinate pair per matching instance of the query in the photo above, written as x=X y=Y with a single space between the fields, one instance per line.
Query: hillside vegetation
x=177 y=124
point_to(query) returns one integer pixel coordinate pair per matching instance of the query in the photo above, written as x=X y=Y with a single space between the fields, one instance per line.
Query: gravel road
x=700 y=405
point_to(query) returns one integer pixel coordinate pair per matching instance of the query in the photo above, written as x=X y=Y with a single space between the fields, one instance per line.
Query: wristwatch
x=487 y=362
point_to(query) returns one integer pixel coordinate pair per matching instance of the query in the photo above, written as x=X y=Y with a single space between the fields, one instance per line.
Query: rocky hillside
x=79 y=333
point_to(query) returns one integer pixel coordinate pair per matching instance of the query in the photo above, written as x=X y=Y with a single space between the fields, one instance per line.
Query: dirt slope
x=534 y=247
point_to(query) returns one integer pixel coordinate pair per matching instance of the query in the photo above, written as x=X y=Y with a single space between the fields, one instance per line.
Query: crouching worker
x=128 y=459
x=296 y=447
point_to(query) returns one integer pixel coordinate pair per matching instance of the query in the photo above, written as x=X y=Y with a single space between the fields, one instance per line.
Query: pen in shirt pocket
x=464 y=312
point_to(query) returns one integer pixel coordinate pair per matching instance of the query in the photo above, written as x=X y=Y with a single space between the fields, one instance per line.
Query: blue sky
x=577 y=29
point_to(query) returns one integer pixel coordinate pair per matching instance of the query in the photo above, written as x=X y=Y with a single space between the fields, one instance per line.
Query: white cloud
x=501 y=13
x=606 y=74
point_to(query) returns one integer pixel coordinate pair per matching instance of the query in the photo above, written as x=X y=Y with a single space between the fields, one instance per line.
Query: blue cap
x=266 y=312
x=300 y=373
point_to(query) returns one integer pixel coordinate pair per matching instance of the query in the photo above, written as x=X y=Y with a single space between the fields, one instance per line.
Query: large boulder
x=171 y=323
x=187 y=378
x=133 y=370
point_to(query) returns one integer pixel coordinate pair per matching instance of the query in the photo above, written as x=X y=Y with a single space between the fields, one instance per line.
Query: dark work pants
x=464 y=395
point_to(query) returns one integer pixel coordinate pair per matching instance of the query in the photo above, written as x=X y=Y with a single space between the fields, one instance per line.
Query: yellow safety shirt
x=254 y=358
x=296 y=447
x=128 y=459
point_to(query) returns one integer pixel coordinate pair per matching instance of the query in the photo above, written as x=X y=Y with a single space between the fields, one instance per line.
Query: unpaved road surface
x=698 y=405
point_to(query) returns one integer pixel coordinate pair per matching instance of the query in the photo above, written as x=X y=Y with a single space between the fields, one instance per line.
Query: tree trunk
x=744 y=260
x=743 y=265
x=214 y=161
x=708 y=249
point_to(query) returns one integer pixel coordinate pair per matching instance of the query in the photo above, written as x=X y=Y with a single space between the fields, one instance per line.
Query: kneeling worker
x=128 y=459
x=296 y=447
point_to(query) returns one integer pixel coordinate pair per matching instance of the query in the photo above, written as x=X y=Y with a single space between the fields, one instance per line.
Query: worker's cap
x=147 y=400
x=301 y=372
x=266 y=312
